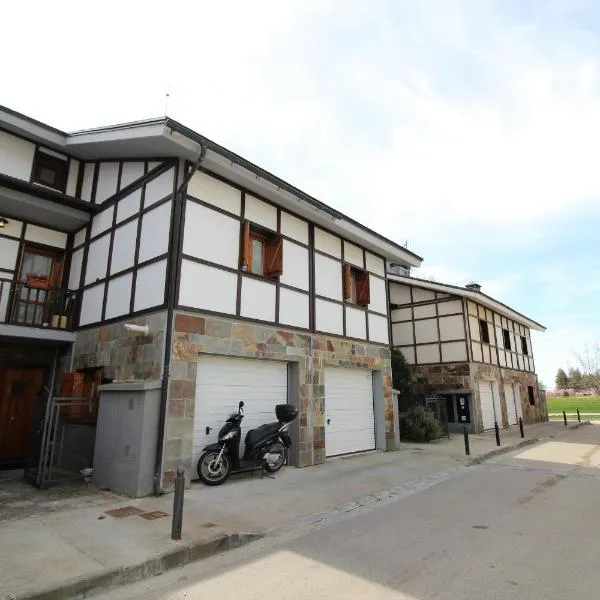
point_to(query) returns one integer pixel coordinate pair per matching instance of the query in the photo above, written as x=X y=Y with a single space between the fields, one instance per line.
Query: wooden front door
x=18 y=389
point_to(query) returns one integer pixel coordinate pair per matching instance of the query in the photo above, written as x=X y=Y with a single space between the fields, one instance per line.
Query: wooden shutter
x=273 y=257
x=246 y=247
x=363 y=288
x=347 y=282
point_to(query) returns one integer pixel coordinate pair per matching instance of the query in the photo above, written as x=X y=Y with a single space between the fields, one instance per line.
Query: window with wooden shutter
x=357 y=289
x=347 y=282
x=273 y=264
x=246 y=247
x=262 y=252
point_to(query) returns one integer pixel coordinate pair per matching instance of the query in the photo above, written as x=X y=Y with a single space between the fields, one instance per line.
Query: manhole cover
x=155 y=514
x=126 y=511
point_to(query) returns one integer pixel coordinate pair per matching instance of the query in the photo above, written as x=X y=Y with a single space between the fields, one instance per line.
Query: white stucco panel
x=356 y=323
x=72 y=178
x=409 y=354
x=424 y=311
x=258 y=299
x=9 y=249
x=452 y=328
x=211 y=190
x=207 y=287
x=450 y=307
x=426 y=331
x=353 y=255
x=88 y=181
x=129 y=205
x=401 y=314
x=108 y=176
x=91 y=305
x=154 y=239
x=16 y=156
x=477 y=352
x=378 y=329
x=150 y=285
x=49 y=237
x=130 y=172
x=330 y=244
x=295 y=265
x=293 y=308
x=159 y=188
x=13 y=228
x=260 y=212
x=402 y=334
x=75 y=270
x=421 y=295
x=118 y=296
x=375 y=264
x=102 y=221
x=328 y=277
x=124 y=247
x=378 y=295
x=211 y=235
x=329 y=317
x=399 y=294
x=97 y=259
x=454 y=352
x=294 y=228
x=429 y=353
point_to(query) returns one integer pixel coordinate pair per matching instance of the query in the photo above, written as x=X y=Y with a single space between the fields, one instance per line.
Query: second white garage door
x=222 y=382
x=511 y=408
x=486 y=401
x=350 y=420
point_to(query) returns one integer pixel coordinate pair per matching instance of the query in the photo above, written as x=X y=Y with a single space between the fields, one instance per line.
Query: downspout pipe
x=175 y=253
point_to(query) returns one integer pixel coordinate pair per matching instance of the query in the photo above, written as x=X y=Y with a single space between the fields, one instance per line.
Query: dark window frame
x=59 y=166
x=484 y=331
x=531 y=394
x=524 y=347
x=269 y=239
x=506 y=339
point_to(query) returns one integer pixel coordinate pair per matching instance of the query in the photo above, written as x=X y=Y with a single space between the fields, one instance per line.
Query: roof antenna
x=167 y=96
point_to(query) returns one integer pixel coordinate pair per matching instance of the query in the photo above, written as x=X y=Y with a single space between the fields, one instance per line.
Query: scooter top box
x=286 y=413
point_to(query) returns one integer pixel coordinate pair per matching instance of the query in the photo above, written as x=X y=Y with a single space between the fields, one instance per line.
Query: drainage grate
x=155 y=514
x=126 y=511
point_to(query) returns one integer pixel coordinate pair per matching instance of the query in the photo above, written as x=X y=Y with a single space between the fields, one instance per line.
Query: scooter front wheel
x=213 y=470
x=275 y=457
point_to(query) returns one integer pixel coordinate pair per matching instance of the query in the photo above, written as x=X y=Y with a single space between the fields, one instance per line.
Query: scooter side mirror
x=241 y=404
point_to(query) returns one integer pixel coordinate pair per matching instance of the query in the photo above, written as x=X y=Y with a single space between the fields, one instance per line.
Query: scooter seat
x=255 y=435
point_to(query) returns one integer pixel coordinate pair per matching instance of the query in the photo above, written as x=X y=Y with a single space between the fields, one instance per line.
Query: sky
x=469 y=129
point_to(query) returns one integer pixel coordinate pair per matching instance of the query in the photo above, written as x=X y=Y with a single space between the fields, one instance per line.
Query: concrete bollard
x=565 y=417
x=578 y=416
x=521 y=427
x=467 y=448
x=497 y=430
x=177 y=522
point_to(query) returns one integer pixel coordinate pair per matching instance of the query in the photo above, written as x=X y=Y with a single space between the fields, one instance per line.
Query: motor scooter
x=265 y=447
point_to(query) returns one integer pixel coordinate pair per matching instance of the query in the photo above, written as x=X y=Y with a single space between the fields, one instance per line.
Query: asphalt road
x=521 y=526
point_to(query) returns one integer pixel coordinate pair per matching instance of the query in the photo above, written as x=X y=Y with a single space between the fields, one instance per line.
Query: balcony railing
x=35 y=304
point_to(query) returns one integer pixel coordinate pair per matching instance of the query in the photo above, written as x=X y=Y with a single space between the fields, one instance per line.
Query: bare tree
x=589 y=361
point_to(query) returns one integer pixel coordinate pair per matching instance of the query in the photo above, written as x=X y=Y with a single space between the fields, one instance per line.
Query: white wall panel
x=452 y=328
x=102 y=221
x=409 y=354
x=91 y=305
x=329 y=317
x=474 y=328
x=88 y=181
x=4 y=298
x=353 y=255
x=485 y=351
x=429 y=353
x=294 y=227
x=328 y=277
x=211 y=235
x=108 y=175
x=375 y=264
x=123 y=253
x=75 y=270
x=293 y=308
x=72 y=178
x=426 y=331
x=402 y=334
x=154 y=238
x=150 y=285
x=49 y=237
x=424 y=311
x=152 y=164
x=378 y=296
x=97 y=259
x=476 y=351
x=79 y=237
x=295 y=265
x=211 y=190
x=452 y=306
x=260 y=212
x=129 y=205
x=9 y=250
x=330 y=244
x=454 y=352
x=421 y=295
x=401 y=314
x=118 y=296
x=131 y=171
x=356 y=323
x=16 y=156
x=258 y=299
x=207 y=287
x=159 y=188
x=13 y=228
x=399 y=294
x=378 y=329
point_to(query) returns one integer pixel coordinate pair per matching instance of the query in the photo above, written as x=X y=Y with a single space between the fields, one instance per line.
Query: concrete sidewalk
x=58 y=554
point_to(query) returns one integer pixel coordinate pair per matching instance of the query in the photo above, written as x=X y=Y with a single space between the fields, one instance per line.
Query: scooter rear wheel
x=212 y=473
x=275 y=465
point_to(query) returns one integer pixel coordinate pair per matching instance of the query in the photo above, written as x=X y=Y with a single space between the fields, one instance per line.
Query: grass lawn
x=585 y=404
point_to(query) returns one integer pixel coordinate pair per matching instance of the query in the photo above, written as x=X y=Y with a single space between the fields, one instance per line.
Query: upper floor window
x=524 y=345
x=506 y=338
x=484 y=330
x=531 y=395
x=50 y=170
x=357 y=289
x=262 y=252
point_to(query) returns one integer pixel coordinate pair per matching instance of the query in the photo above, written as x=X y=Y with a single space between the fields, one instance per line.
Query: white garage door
x=511 y=409
x=350 y=421
x=486 y=401
x=517 y=393
x=220 y=385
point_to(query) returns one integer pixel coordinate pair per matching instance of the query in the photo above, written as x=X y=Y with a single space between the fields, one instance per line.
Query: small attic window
x=50 y=170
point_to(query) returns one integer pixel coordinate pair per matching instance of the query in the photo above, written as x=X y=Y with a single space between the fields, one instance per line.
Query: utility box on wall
x=126 y=437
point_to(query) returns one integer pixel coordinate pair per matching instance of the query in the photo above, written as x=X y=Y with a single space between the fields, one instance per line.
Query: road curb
x=502 y=450
x=81 y=586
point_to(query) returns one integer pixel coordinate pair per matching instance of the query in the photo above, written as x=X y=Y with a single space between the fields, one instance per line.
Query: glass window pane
x=257 y=256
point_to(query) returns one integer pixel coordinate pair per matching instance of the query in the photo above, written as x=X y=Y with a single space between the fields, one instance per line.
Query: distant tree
x=542 y=386
x=575 y=379
x=589 y=361
x=562 y=380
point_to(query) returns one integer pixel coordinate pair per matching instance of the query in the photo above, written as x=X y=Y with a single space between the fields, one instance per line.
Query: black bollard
x=565 y=417
x=467 y=448
x=497 y=430
x=177 y=522
x=578 y=416
x=521 y=427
